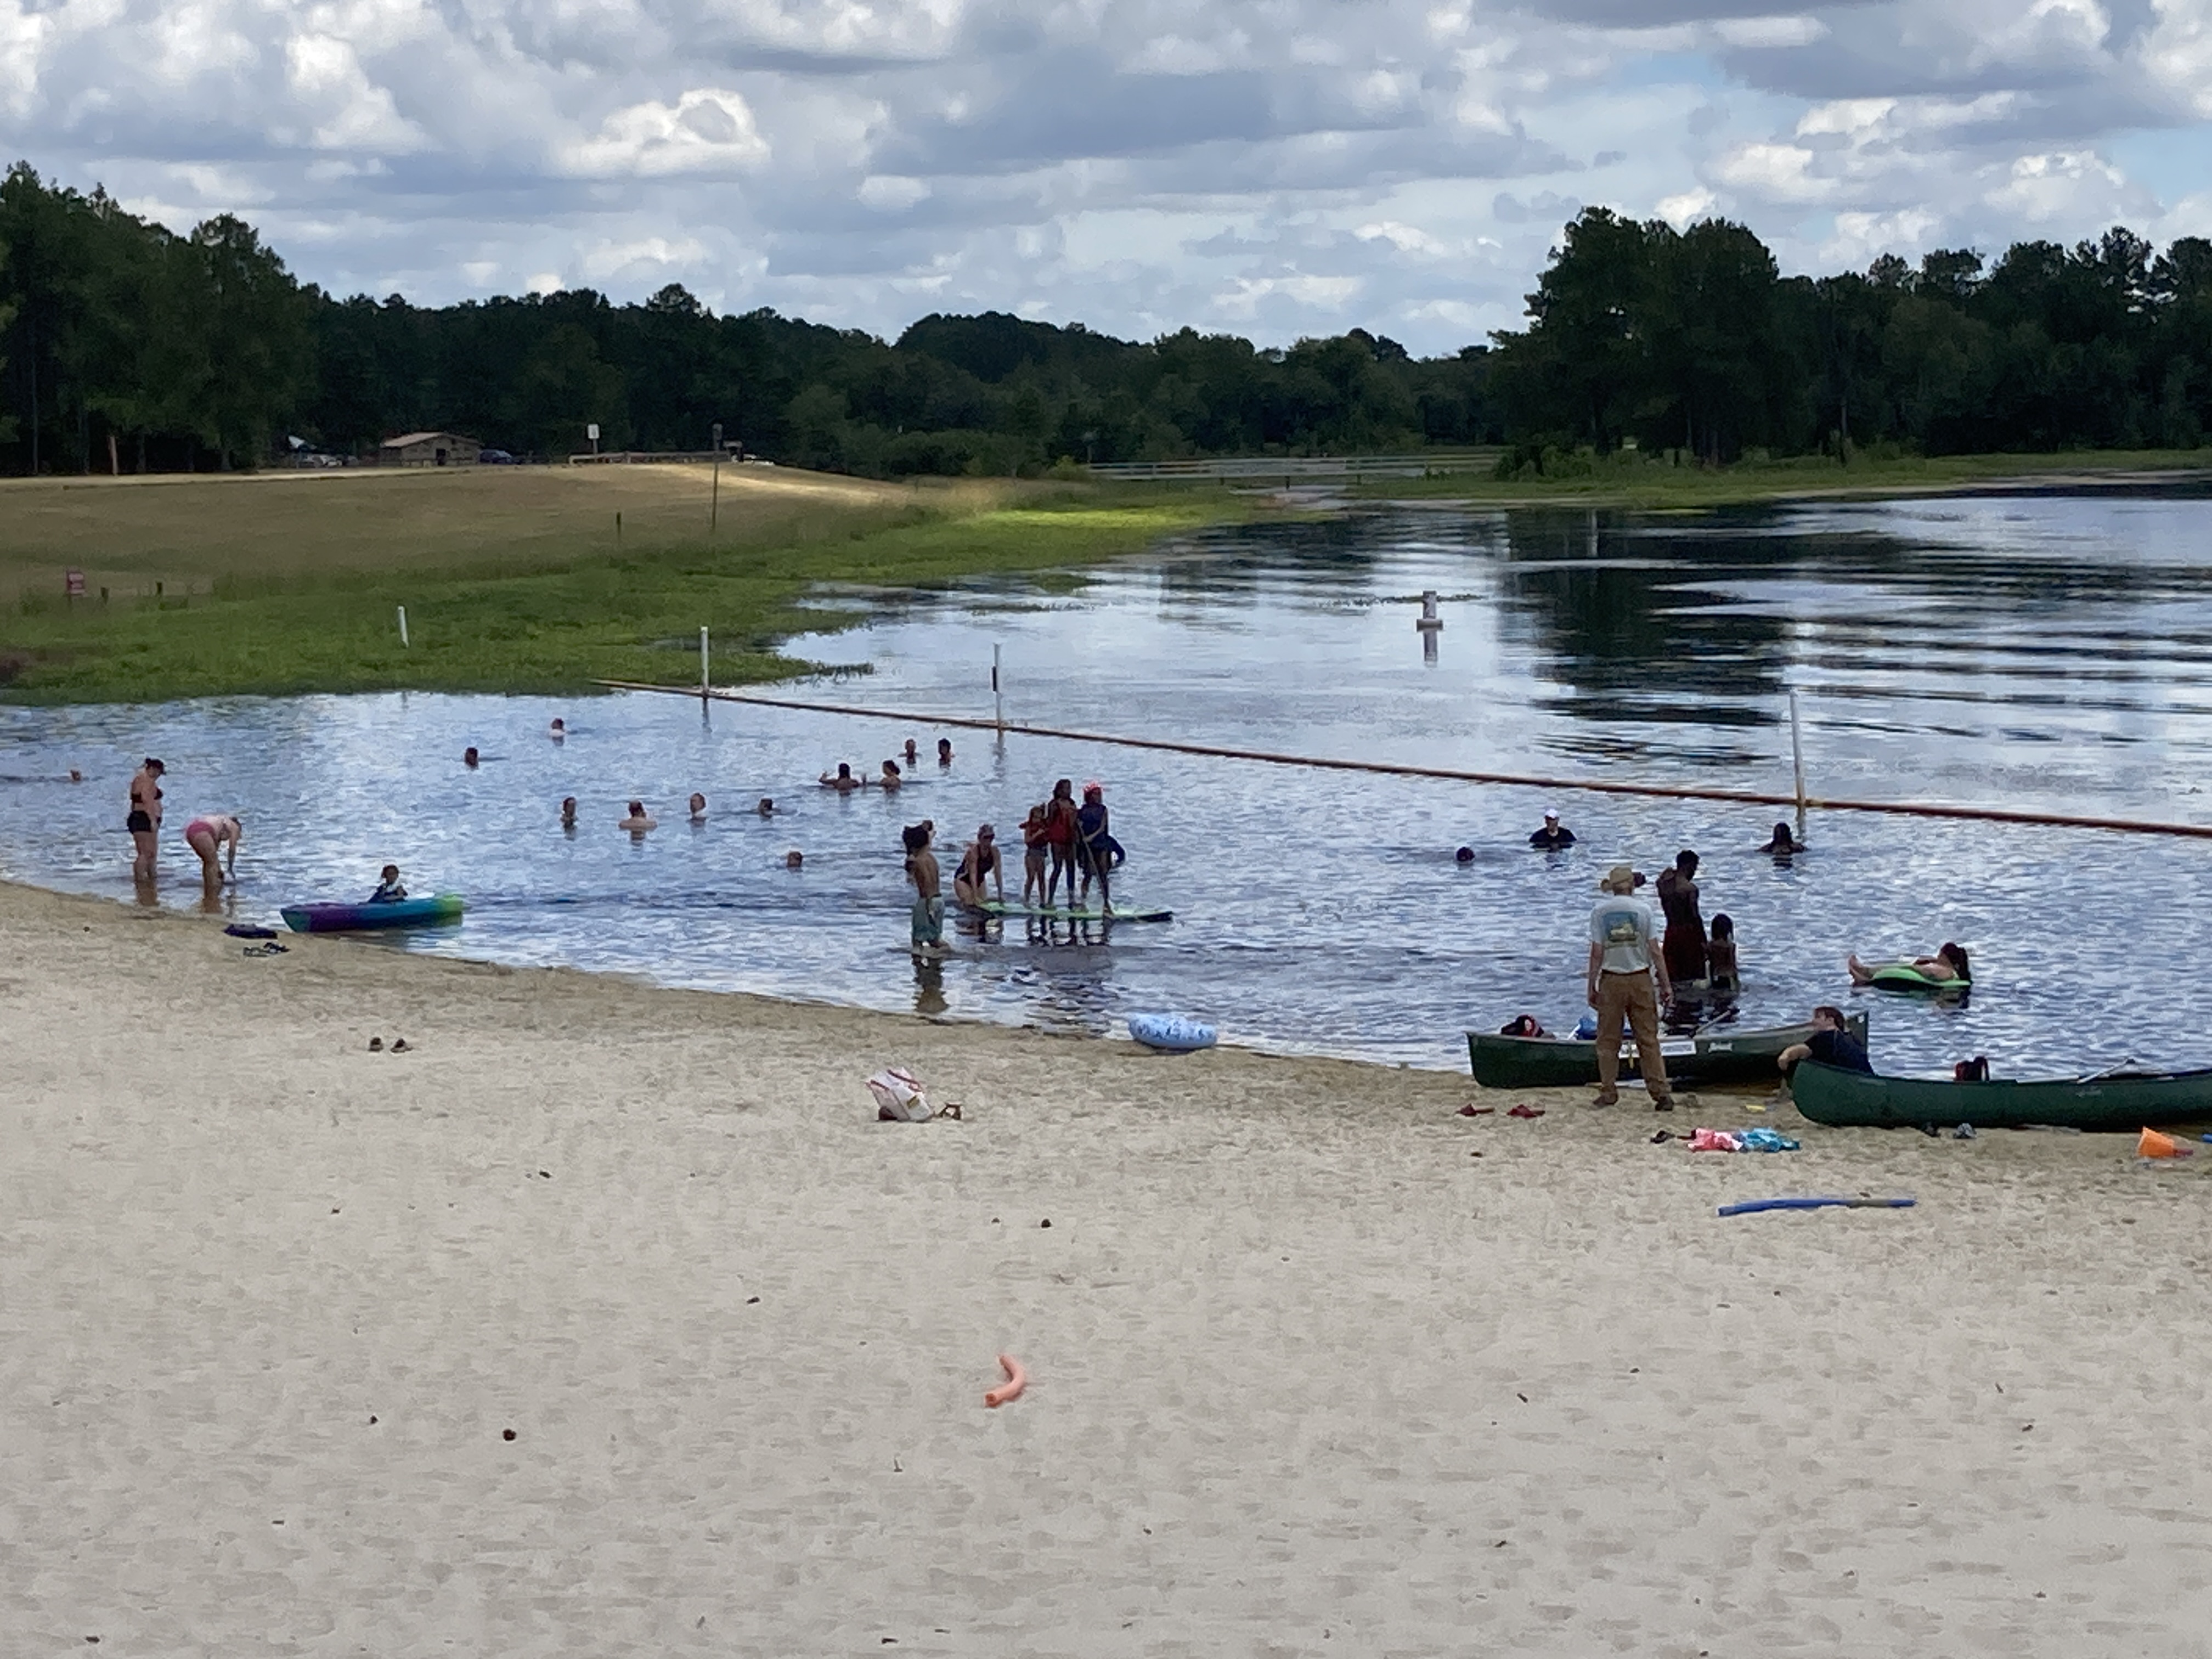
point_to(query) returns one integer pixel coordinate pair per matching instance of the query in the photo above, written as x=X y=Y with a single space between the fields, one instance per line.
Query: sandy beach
x=1309 y=1375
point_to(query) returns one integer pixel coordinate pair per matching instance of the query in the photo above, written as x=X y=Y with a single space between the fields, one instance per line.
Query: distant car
x=495 y=457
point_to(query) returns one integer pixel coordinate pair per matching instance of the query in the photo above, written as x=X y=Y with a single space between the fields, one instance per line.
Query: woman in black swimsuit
x=145 y=822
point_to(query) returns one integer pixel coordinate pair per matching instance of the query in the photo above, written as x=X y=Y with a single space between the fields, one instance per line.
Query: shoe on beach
x=1606 y=1097
x=399 y=1046
x=376 y=1045
x=1663 y=1104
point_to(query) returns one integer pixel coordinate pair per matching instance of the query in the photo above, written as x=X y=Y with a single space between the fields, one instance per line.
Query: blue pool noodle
x=1752 y=1205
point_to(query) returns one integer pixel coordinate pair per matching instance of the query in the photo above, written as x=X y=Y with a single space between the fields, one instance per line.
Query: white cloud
x=1772 y=172
x=1284 y=166
x=705 y=131
x=1691 y=204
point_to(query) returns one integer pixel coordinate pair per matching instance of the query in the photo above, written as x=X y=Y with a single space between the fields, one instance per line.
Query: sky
x=1274 y=168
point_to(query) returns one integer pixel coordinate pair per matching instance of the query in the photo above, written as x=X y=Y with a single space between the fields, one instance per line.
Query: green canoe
x=1709 y=1058
x=2118 y=1101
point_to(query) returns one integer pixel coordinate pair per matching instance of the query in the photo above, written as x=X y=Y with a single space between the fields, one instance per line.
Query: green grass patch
x=1630 y=480
x=579 y=618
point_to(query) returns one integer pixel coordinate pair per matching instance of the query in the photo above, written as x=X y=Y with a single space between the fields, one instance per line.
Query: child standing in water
x=1720 y=955
x=1033 y=834
x=928 y=902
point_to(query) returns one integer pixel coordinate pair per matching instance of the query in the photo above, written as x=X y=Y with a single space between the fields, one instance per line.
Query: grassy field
x=547 y=579
x=1634 y=481
x=512 y=579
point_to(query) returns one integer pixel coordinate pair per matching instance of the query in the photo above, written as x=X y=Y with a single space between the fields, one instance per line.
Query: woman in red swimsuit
x=1059 y=839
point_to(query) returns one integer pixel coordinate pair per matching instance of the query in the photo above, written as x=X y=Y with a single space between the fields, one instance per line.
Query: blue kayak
x=352 y=918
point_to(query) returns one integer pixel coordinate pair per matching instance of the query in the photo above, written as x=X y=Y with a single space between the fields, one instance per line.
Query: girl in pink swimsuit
x=213 y=835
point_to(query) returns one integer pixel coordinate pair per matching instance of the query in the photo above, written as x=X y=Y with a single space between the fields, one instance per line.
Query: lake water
x=2044 y=650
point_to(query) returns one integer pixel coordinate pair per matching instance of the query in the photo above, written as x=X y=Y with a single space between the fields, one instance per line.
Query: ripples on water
x=2019 y=652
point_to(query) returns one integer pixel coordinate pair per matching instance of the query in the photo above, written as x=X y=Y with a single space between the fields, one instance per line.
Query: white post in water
x=403 y=627
x=1797 y=755
x=997 y=692
x=704 y=682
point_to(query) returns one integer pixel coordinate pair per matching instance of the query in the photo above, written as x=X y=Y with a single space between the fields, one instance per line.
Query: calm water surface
x=2038 y=651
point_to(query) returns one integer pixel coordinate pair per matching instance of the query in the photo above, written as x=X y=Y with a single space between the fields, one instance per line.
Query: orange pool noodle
x=2151 y=1144
x=1016 y=1380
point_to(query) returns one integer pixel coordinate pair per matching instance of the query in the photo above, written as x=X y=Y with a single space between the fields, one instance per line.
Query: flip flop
x=1524 y=1110
x=376 y=1045
x=399 y=1045
x=1476 y=1111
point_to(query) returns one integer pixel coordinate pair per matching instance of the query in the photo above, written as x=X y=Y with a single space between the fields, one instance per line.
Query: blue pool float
x=1172 y=1032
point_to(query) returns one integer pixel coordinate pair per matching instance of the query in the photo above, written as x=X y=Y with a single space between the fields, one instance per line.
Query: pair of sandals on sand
x=399 y=1046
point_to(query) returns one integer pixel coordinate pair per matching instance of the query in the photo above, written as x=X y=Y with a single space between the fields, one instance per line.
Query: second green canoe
x=2120 y=1102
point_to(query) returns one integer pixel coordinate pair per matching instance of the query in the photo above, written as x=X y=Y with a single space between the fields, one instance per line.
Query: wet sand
x=1308 y=1375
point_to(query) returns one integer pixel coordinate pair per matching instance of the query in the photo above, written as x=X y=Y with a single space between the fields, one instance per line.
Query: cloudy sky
x=1275 y=167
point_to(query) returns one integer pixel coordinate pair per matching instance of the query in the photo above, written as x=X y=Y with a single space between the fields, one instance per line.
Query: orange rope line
x=1449 y=775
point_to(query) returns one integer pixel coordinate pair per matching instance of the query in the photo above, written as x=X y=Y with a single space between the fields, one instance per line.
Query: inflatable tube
x=1016 y=1380
x=1904 y=976
x=1172 y=1032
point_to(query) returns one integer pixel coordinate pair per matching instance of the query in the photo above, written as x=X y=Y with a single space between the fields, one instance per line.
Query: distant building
x=428 y=449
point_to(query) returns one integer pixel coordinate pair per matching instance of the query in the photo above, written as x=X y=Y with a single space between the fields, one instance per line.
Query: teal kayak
x=353 y=918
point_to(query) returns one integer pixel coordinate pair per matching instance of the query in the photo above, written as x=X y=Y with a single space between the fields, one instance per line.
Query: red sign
x=73 y=581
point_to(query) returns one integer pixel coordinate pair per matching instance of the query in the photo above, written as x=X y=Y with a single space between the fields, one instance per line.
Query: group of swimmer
x=1640 y=965
x=892 y=774
x=1061 y=842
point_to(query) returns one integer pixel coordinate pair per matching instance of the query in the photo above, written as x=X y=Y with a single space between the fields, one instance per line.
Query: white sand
x=1308 y=1377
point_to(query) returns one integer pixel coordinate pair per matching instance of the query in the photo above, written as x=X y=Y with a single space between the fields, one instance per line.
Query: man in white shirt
x=1627 y=979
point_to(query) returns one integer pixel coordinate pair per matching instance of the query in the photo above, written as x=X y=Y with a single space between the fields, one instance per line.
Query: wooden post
x=704 y=683
x=1797 y=757
x=403 y=627
x=997 y=692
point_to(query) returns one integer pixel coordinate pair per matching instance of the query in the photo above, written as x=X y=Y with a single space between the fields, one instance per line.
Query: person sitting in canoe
x=1781 y=843
x=1831 y=1043
x=1948 y=966
x=979 y=860
x=388 y=889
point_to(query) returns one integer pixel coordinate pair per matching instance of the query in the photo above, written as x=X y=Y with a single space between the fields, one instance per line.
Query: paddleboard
x=1121 y=913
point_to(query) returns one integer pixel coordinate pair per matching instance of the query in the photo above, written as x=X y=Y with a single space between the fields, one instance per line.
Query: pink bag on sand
x=1713 y=1140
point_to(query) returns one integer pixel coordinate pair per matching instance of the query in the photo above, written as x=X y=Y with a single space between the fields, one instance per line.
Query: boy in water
x=929 y=900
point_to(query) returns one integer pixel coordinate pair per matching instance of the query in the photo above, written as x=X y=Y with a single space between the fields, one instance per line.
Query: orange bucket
x=2151 y=1144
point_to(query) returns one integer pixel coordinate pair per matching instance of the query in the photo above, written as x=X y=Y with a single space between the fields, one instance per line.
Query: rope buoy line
x=1448 y=774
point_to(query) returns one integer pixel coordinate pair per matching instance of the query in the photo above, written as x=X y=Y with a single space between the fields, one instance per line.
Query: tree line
x=124 y=344
x=1692 y=343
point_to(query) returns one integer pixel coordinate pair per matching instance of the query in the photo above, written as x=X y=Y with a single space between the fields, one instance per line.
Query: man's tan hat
x=1619 y=880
